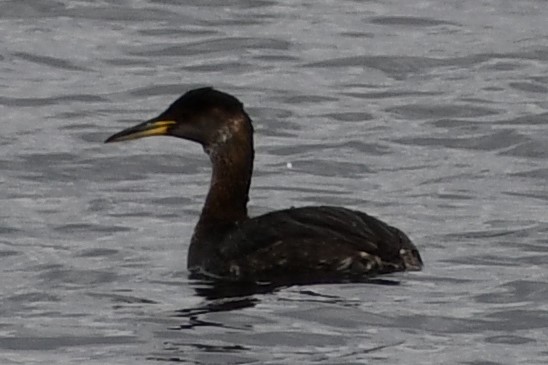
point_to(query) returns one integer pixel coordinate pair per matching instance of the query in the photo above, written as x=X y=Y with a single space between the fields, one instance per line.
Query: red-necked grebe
x=323 y=242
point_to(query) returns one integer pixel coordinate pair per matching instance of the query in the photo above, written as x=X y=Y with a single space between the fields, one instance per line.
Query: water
x=430 y=115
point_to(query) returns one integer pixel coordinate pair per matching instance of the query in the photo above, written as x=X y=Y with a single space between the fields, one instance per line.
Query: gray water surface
x=431 y=115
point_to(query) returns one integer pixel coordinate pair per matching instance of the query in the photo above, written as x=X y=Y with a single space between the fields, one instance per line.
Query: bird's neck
x=226 y=201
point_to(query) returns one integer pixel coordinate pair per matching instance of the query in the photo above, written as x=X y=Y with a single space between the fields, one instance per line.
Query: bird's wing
x=324 y=225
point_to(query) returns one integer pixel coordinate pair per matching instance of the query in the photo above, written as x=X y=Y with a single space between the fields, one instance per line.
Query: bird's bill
x=149 y=128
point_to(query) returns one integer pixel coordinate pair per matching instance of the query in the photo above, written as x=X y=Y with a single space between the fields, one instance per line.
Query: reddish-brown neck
x=227 y=198
x=230 y=150
x=226 y=201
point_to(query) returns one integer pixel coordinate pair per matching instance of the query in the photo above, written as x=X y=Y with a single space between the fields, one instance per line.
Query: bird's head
x=207 y=116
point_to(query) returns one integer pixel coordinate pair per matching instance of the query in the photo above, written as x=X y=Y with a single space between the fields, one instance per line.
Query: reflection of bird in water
x=311 y=244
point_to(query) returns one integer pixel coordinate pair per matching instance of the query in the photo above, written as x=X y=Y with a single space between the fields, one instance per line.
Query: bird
x=310 y=243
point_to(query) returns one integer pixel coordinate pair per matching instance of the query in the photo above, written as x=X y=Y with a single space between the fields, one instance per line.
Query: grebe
x=318 y=243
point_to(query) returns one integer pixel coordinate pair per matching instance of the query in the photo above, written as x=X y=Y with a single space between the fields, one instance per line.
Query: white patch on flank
x=344 y=264
x=372 y=259
x=234 y=269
